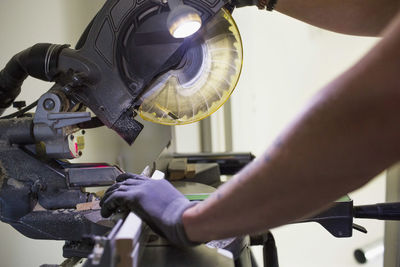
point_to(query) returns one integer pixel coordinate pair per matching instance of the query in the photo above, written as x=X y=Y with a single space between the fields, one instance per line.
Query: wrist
x=172 y=218
x=191 y=225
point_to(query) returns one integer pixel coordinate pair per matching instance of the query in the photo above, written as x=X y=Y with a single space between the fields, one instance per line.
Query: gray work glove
x=157 y=202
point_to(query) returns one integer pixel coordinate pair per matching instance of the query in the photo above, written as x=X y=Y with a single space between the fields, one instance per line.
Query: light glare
x=186 y=28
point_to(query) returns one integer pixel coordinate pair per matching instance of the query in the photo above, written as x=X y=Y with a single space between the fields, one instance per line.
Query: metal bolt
x=49 y=104
x=83 y=132
x=67 y=88
x=71 y=137
x=38 y=186
x=77 y=79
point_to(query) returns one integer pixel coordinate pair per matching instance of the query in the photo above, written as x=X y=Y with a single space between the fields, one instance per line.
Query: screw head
x=77 y=79
x=49 y=104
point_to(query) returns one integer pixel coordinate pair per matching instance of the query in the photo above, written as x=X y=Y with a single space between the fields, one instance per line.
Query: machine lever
x=359 y=228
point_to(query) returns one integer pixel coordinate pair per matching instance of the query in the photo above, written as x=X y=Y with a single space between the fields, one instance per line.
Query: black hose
x=38 y=61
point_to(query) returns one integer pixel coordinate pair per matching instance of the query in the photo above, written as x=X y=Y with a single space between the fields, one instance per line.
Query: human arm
x=347 y=135
x=357 y=17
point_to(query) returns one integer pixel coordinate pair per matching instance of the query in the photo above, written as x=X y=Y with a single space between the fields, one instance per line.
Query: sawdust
x=38 y=207
x=95 y=205
x=3 y=174
x=15 y=183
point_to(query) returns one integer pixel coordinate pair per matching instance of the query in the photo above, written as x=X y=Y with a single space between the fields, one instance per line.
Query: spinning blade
x=203 y=81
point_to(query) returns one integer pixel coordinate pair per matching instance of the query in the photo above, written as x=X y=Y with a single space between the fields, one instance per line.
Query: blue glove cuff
x=173 y=214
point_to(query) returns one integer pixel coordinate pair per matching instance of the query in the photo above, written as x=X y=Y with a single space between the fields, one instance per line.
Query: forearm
x=347 y=135
x=357 y=17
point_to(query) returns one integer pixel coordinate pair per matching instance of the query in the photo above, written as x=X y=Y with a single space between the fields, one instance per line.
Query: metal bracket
x=54 y=128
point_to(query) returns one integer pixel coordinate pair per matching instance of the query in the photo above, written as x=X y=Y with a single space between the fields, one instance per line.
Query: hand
x=157 y=202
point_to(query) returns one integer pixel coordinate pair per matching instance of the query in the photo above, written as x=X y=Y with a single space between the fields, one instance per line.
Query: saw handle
x=381 y=211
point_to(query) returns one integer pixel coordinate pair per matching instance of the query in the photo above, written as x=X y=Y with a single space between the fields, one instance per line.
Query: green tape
x=345 y=198
x=197 y=197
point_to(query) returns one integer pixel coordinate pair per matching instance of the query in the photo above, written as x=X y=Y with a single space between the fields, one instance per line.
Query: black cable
x=20 y=112
x=270 y=253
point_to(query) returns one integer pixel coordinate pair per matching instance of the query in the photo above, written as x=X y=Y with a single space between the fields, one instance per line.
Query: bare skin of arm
x=346 y=136
x=357 y=17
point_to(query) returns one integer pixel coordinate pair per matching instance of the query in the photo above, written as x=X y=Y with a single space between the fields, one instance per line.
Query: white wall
x=285 y=63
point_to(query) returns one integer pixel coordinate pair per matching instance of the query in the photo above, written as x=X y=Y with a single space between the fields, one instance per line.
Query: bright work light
x=183 y=20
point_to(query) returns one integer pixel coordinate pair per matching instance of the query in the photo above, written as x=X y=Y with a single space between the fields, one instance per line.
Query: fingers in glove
x=112 y=203
x=124 y=183
x=121 y=186
x=130 y=182
x=128 y=175
x=113 y=187
x=108 y=193
x=124 y=176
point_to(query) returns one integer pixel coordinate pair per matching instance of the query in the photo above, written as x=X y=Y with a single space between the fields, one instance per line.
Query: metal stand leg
x=270 y=253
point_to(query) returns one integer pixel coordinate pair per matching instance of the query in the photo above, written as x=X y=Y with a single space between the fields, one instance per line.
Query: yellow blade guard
x=203 y=81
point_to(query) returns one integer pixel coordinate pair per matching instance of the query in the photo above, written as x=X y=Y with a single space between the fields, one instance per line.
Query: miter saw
x=171 y=62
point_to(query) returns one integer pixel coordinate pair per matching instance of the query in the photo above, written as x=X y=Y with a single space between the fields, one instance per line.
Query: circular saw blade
x=203 y=81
